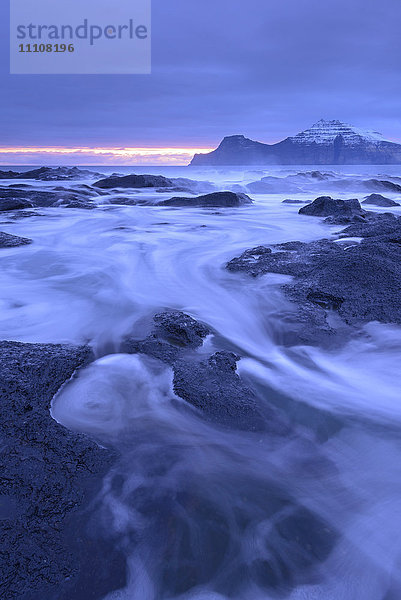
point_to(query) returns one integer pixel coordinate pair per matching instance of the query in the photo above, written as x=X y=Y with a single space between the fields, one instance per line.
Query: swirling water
x=200 y=511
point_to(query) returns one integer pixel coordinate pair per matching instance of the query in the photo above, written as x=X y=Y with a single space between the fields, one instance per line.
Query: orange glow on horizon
x=171 y=155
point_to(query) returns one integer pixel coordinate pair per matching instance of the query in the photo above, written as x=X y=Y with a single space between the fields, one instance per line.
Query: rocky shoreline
x=50 y=475
x=338 y=284
x=48 y=472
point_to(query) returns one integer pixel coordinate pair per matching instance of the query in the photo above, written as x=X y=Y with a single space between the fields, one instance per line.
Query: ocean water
x=203 y=512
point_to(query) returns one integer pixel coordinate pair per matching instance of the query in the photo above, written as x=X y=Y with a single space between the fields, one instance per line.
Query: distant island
x=325 y=143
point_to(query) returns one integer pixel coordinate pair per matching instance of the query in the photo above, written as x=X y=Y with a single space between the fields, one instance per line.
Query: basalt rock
x=50 y=174
x=383 y=185
x=213 y=200
x=379 y=200
x=377 y=225
x=14 y=199
x=11 y=241
x=209 y=383
x=325 y=206
x=173 y=331
x=180 y=329
x=10 y=201
x=134 y=181
x=357 y=283
x=48 y=476
x=213 y=386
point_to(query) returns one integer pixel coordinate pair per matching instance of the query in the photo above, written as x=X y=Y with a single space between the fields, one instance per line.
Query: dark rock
x=50 y=174
x=12 y=199
x=160 y=183
x=346 y=220
x=377 y=225
x=212 y=384
x=13 y=203
x=216 y=199
x=80 y=190
x=288 y=246
x=48 y=475
x=154 y=347
x=8 y=174
x=261 y=260
x=182 y=184
x=23 y=214
x=289 y=201
x=327 y=301
x=180 y=329
x=77 y=204
x=360 y=282
x=10 y=241
x=379 y=200
x=325 y=206
x=20 y=186
x=314 y=175
x=250 y=257
x=134 y=181
x=173 y=332
x=383 y=185
x=120 y=201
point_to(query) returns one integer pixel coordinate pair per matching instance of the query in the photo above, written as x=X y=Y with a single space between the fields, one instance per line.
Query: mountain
x=325 y=143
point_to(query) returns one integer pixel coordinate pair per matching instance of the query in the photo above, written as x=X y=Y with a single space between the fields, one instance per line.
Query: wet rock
x=120 y=201
x=327 y=301
x=8 y=174
x=180 y=329
x=182 y=184
x=216 y=199
x=173 y=331
x=48 y=475
x=314 y=175
x=290 y=201
x=210 y=384
x=325 y=206
x=81 y=190
x=359 y=283
x=23 y=214
x=20 y=186
x=377 y=225
x=12 y=199
x=13 y=203
x=134 y=181
x=213 y=386
x=50 y=174
x=160 y=183
x=346 y=220
x=77 y=204
x=11 y=241
x=383 y=185
x=379 y=200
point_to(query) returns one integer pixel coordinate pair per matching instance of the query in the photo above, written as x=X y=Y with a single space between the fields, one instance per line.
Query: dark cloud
x=265 y=68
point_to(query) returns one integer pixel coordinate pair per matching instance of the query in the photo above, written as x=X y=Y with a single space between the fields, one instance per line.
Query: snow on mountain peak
x=325 y=132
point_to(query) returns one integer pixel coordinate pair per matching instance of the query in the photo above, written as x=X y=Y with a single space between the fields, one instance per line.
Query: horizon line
x=92 y=155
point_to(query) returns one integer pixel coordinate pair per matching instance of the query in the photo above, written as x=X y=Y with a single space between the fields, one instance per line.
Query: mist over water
x=203 y=512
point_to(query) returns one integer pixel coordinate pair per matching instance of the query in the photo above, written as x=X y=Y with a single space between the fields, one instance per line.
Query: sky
x=262 y=68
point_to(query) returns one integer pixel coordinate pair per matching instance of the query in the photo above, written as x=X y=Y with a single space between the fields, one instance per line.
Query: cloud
x=97 y=156
x=266 y=69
